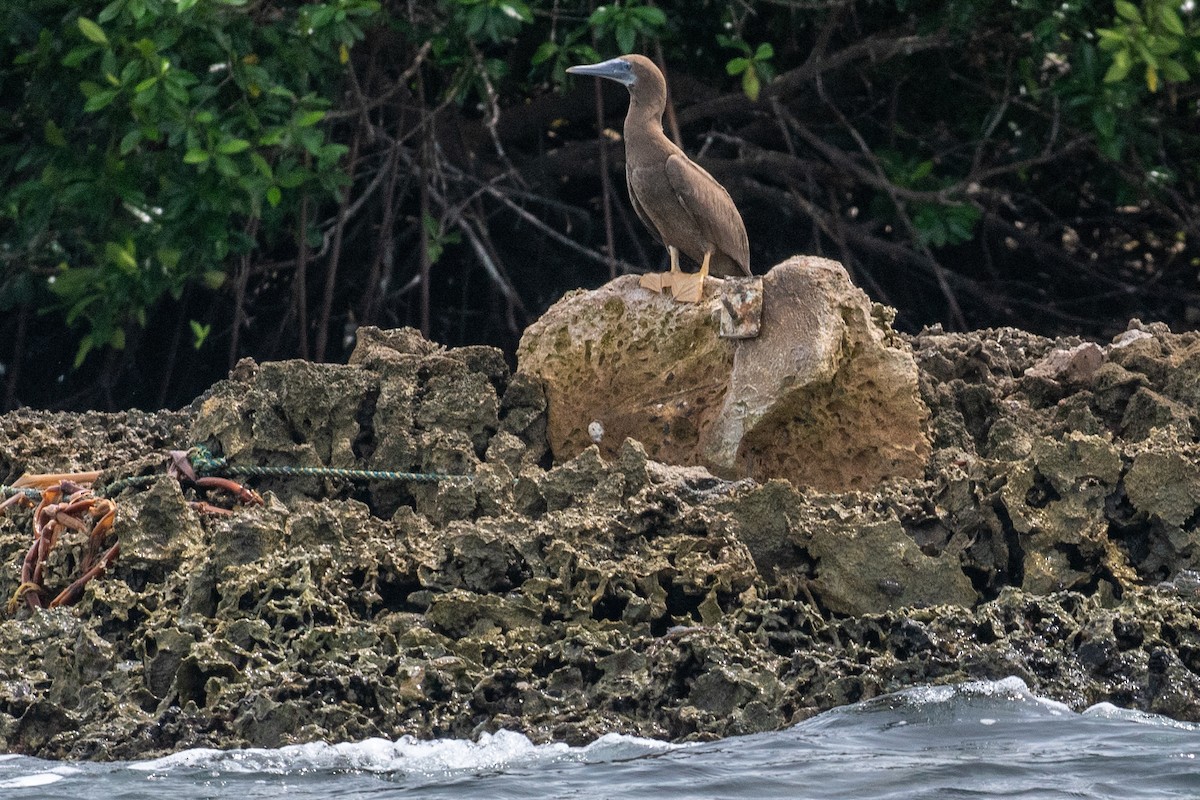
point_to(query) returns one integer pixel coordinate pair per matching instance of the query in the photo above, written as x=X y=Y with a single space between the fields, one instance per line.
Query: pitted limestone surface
x=1053 y=536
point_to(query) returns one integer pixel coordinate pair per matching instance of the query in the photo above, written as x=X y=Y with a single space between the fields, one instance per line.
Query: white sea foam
x=491 y=752
x=1109 y=711
x=48 y=772
x=1010 y=688
x=31 y=781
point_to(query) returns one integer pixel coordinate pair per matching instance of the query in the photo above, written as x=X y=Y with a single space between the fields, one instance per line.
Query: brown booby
x=673 y=196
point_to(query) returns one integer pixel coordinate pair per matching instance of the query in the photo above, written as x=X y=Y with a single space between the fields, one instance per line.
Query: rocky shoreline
x=1053 y=536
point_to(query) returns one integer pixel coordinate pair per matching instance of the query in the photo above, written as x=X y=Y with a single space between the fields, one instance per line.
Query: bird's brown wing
x=711 y=207
x=637 y=207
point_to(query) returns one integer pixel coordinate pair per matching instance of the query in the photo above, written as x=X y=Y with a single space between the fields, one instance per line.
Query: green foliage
x=624 y=23
x=754 y=65
x=461 y=32
x=200 y=333
x=438 y=238
x=147 y=135
x=495 y=20
x=1153 y=37
x=936 y=224
x=150 y=148
x=554 y=58
x=1084 y=57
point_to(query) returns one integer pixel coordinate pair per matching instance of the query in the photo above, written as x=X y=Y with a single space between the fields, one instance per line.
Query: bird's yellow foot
x=688 y=287
x=658 y=281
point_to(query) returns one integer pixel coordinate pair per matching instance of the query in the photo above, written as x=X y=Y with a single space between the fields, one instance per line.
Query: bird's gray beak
x=617 y=69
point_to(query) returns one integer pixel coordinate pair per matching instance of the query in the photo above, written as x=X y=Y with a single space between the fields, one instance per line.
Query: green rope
x=28 y=491
x=205 y=463
x=116 y=487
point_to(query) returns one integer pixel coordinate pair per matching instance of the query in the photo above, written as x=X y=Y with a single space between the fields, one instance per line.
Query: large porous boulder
x=825 y=396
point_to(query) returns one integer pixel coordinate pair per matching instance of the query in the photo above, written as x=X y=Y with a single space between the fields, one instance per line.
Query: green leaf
x=1111 y=148
x=176 y=91
x=764 y=52
x=626 y=37
x=195 y=156
x=1111 y=39
x=311 y=139
x=737 y=66
x=1171 y=20
x=476 y=18
x=53 y=134
x=1129 y=11
x=183 y=6
x=146 y=47
x=77 y=55
x=108 y=65
x=750 y=83
x=101 y=99
x=79 y=308
x=261 y=165
x=92 y=31
x=226 y=166
x=169 y=257
x=1174 y=71
x=921 y=171
x=85 y=347
x=654 y=17
x=1105 y=121
x=1145 y=54
x=199 y=333
x=274 y=137
x=306 y=119
x=1121 y=65
x=274 y=195
x=111 y=11
x=545 y=51
x=1162 y=46
x=231 y=146
x=129 y=141
x=120 y=257
x=599 y=17
x=290 y=179
x=145 y=84
x=128 y=72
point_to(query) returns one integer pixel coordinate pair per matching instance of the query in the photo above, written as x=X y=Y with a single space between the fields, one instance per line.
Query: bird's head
x=629 y=70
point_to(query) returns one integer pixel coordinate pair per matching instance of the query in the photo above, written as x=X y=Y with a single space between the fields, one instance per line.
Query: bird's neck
x=644 y=119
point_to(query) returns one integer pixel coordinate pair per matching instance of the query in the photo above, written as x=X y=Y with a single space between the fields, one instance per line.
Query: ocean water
x=971 y=741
